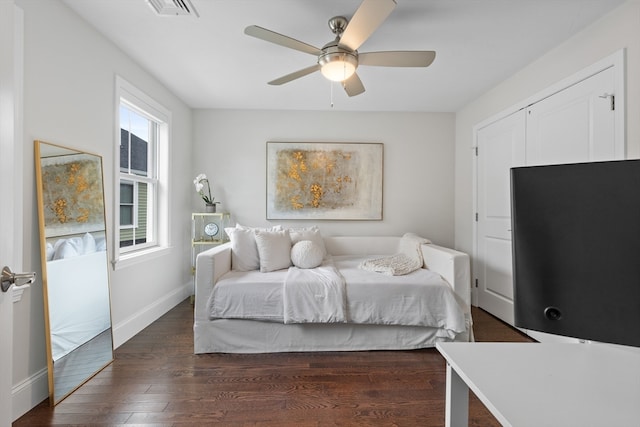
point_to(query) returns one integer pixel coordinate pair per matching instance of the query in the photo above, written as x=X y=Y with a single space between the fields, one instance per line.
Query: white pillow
x=89 y=243
x=273 y=228
x=50 y=251
x=306 y=254
x=244 y=252
x=101 y=244
x=66 y=248
x=310 y=233
x=274 y=248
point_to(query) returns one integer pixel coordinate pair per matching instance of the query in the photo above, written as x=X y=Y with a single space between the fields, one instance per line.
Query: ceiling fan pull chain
x=331 y=85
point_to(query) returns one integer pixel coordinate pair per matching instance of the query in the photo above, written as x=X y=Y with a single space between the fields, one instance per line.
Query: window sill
x=138 y=257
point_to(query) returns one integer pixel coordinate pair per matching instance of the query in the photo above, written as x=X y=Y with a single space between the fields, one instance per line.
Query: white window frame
x=140 y=102
x=134 y=204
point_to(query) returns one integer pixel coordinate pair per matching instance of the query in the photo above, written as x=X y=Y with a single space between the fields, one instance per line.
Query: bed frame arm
x=210 y=265
x=452 y=265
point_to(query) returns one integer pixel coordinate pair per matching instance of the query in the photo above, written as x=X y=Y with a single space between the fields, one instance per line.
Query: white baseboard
x=33 y=390
x=29 y=393
x=128 y=328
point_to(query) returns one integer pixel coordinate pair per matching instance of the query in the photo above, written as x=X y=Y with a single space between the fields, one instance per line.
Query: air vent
x=173 y=7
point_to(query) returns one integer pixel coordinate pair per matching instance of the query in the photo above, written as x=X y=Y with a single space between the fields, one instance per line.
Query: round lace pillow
x=306 y=254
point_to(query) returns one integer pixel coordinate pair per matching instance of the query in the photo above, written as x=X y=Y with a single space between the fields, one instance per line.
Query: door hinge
x=476 y=216
x=476 y=151
x=476 y=283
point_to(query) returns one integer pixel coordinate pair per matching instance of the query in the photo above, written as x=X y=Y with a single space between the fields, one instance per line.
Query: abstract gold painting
x=72 y=194
x=332 y=181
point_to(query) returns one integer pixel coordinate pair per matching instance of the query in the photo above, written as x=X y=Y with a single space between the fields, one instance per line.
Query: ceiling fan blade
x=273 y=37
x=365 y=21
x=295 y=75
x=401 y=58
x=353 y=85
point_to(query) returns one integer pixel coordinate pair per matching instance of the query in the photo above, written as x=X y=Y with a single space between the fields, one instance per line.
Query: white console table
x=537 y=385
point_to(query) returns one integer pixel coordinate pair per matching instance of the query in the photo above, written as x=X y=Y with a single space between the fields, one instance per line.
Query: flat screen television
x=576 y=250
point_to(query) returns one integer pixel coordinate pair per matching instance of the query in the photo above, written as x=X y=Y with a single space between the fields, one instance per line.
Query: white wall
x=69 y=100
x=616 y=30
x=230 y=147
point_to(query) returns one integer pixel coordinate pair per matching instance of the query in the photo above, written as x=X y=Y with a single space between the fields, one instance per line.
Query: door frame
x=617 y=60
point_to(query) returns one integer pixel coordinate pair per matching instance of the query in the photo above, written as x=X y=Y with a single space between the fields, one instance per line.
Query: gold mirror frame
x=75 y=272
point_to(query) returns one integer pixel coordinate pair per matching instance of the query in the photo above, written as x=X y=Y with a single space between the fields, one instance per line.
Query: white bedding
x=78 y=301
x=421 y=298
x=314 y=295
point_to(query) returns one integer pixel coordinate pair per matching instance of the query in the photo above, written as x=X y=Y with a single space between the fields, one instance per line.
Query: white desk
x=537 y=385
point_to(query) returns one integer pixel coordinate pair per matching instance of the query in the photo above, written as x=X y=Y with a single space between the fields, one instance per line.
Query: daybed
x=253 y=319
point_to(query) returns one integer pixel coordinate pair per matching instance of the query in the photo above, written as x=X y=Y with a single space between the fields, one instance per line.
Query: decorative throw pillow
x=50 y=251
x=410 y=246
x=67 y=248
x=101 y=244
x=244 y=253
x=307 y=254
x=274 y=228
x=89 y=243
x=274 y=249
x=309 y=233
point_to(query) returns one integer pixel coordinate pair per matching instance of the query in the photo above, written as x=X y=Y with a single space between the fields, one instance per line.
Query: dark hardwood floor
x=157 y=380
x=73 y=368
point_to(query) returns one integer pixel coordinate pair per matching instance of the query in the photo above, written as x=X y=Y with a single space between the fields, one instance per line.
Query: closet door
x=501 y=145
x=576 y=124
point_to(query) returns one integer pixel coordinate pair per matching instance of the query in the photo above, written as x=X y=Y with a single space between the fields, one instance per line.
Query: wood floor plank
x=156 y=380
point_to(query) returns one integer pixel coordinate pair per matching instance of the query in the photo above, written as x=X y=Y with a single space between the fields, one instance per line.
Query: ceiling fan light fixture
x=338 y=66
x=339 y=59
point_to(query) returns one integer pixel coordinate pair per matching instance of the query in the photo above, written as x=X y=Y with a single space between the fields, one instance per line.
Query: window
x=127 y=207
x=141 y=170
x=138 y=177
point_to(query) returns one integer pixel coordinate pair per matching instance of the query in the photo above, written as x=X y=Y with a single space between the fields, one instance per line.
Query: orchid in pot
x=199 y=182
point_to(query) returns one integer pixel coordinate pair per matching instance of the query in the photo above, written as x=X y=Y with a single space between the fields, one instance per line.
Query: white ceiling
x=210 y=63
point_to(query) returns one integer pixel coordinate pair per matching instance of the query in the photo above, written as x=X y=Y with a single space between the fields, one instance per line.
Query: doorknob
x=10 y=278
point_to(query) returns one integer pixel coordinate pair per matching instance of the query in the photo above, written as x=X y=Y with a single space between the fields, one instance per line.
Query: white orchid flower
x=198 y=182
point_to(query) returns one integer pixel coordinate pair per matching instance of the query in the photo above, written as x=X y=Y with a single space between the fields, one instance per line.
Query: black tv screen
x=576 y=250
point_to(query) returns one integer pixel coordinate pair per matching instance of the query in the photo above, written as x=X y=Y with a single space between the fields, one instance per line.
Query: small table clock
x=211 y=229
x=207 y=231
x=208 y=228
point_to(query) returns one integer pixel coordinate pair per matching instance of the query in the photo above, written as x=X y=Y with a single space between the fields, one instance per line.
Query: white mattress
x=78 y=296
x=421 y=298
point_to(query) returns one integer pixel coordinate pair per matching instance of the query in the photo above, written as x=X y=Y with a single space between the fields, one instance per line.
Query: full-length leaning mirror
x=75 y=271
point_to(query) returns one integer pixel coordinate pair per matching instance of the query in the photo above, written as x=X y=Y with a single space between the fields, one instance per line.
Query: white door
x=574 y=125
x=500 y=146
x=10 y=193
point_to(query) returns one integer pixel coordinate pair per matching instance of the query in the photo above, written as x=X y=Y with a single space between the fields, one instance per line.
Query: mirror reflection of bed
x=75 y=266
x=79 y=314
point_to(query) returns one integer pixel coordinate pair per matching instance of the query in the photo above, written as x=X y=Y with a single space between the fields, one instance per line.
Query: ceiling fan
x=338 y=59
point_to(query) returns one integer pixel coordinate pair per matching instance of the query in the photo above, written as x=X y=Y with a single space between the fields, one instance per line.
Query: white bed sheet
x=315 y=295
x=248 y=295
x=248 y=336
x=421 y=298
x=78 y=301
